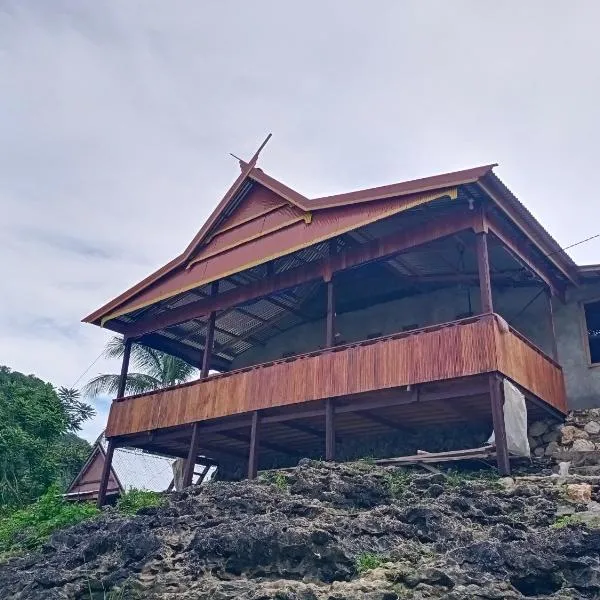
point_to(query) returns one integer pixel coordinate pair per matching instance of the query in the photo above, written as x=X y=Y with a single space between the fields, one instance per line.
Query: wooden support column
x=111 y=444
x=329 y=343
x=210 y=335
x=254 y=446
x=105 y=474
x=497 y=400
x=483 y=265
x=548 y=294
x=188 y=473
x=329 y=430
x=124 y=368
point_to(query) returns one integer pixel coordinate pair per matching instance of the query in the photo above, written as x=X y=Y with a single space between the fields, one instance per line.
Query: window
x=592 y=327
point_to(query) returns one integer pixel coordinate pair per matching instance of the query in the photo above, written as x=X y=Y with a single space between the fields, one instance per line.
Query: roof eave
x=499 y=193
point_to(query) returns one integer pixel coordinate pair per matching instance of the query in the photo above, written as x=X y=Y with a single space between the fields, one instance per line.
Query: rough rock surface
x=305 y=533
x=577 y=441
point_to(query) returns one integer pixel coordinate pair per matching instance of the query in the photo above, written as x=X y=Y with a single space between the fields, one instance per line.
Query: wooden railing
x=452 y=350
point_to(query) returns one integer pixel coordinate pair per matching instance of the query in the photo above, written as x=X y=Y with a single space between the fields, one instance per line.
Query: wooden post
x=105 y=474
x=554 y=348
x=124 y=368
x=330 y=325
x=329 y=343
x=483 y=265
x=329 y=430
x=254 y=446
x=497 y=400
x=210 y=335
x=111 y=444
x=190 y=463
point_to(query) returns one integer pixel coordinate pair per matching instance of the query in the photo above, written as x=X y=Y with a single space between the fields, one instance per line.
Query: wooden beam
x=210 y=335
x=203 y=474
x=304 y=428
x=105 y=473
x=483 y=265
x=192 y=456
x=329 y=430
x=371 y=416
x=373 y=251
x=330 y=317
x=124 y=368
x=254 y=446
x=187 y=353
x=497 y=400
x=240 y=437
x=523 y=254
x=551 y=327
x=492 y=186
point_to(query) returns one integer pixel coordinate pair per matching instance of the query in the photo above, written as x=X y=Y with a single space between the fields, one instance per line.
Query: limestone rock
x=551 y=448
x=539 y=451
x=581 y=445
x=508 y=483
x=538 y=428
x=593 y=427
x=335 y=532
x=571 y=433
x=579 y=492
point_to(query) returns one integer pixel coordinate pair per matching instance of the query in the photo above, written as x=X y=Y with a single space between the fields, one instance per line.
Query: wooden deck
x=448 y=352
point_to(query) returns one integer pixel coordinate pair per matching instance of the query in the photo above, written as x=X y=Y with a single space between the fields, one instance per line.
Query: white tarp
x=515 y=421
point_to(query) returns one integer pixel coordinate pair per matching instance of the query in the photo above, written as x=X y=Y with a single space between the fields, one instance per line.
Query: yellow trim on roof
x=420 y=199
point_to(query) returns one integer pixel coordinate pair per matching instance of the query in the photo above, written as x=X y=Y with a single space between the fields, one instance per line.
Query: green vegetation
x=154 y=370
x=134 y=500
x=277 y=478
x=368 y=561
x=575 y=519
x=27 y=528
x=398 y=481
x=456 y=478
x=37 y=445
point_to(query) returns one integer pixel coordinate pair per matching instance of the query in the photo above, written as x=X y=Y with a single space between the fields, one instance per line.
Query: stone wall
x=576 y=441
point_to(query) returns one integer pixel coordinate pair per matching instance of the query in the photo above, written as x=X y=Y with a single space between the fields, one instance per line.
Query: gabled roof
x=290 y=222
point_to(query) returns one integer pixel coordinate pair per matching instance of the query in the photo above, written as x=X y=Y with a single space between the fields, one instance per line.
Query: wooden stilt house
x=326 y=319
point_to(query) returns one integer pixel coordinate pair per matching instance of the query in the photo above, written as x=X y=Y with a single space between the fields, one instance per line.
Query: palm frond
x=115 y=347
x=147 y=360
x=108 y=383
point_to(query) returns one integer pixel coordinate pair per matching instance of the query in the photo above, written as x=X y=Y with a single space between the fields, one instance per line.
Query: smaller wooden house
x=130 y=469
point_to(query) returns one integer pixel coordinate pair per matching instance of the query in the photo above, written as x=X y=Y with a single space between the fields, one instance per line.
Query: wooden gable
x=86 y=484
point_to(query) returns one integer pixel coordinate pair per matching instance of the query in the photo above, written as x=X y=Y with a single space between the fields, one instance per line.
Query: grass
x=567 y=520
x=277 y=478
x=28 y=528
x=398 y=482
x=134 y=500
x=368 y=561
x=456 y=478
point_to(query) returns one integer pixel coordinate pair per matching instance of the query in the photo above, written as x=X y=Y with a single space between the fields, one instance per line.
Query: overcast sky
x=117 y=117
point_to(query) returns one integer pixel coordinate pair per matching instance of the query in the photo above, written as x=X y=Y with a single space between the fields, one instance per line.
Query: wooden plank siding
x=449 y=351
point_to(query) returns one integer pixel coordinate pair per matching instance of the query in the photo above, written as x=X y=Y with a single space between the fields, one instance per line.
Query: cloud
x=116 y=120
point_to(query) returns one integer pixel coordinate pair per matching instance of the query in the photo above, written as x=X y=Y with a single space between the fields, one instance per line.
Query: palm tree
x=153 y=370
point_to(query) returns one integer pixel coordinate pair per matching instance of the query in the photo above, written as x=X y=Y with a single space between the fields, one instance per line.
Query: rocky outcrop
x=329 y=532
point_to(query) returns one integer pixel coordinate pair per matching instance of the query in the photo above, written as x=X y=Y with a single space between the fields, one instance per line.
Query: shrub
x=134 y=500
x=398 y=482
x=368 y=561
x=277 y=478
x=27 y=528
